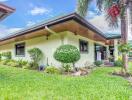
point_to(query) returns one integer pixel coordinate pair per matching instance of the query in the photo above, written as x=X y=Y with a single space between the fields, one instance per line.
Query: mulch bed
x=127 y=76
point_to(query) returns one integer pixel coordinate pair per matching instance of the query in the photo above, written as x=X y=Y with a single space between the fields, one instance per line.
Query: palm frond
x=112 y=22
x=100 y=4
x=82 y=7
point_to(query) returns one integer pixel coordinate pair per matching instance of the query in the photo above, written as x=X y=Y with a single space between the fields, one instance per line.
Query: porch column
x=115 y=50
x=108 y=52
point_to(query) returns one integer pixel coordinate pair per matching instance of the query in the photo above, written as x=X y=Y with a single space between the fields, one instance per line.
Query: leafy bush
x=36 y=56
x=7 y=55
x=52 y=70
x=67 y=54
x=12 y=63
x=4 y=62
x=27 y=66
x=21 y=63
x=0 y=57
x=67 y=68
x=124 y=48
x=33 y=65
x=118 y=63
x=98 y=63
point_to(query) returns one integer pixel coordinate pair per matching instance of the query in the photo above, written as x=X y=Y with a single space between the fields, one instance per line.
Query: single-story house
x=69 y=29
x=5 y=11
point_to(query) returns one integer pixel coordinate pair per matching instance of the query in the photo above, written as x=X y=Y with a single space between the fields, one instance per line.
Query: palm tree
x=82 y=7
x=115 y=10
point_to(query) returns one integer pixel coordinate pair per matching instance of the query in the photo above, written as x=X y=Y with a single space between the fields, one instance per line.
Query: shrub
x=4 y=62
x=7 y=55
x=52 y=70
x=0 y=57
x=124 y=48
x=98 y=63
x=67 y=68
x=36 y=56
x=11 y=63
x=67 y=54
x=118 y=63
x=33 y=65
x=27 y=66
x=21 y=63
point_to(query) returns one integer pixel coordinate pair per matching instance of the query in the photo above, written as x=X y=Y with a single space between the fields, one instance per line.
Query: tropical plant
x=118 y=63
x=115 y=10
x=67 y=54
x=7 y=55
x=36 y=56
x=21 y=63
x=82 y=7
x=98 y=63
x=0 y=57
x=67 y=68
x=124 y=48
x=52 y=70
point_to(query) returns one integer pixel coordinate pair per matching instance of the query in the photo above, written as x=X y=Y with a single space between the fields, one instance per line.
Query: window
x=83 y=46
x=20 y=49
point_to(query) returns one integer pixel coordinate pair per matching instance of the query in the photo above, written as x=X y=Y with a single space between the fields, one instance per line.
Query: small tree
x=67 y=54
x=124 y=49
x=36 y=56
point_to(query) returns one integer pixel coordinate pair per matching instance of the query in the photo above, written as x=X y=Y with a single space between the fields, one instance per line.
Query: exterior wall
x=49 y=46
x=116 y=50
x=85 y=57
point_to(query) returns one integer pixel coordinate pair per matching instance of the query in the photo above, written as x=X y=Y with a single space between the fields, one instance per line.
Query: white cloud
x=39 y=11
x=3 y=0
x=5 y=31
x=30 y=23
x=91 y=14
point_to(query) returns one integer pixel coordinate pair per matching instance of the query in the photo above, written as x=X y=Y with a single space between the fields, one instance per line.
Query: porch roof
x=71 y=22
x=5 y=11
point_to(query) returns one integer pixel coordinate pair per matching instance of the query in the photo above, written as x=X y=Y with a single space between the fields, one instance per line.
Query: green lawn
x=19 y=84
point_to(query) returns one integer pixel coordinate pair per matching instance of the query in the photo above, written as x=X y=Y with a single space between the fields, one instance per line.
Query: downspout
x=53 y=32
x=49 y=30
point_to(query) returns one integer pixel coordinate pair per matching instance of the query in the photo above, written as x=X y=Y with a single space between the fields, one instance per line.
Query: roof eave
x=115 y=37
x=72 y=16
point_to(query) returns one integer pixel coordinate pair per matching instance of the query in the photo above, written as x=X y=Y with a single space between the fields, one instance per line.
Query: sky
x=30 y=12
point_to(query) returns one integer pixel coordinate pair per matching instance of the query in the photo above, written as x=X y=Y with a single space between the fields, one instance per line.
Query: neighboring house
x=5 y=11
x=70 y=29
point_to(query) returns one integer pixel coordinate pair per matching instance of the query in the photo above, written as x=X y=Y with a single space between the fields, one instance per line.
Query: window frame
x=84 y=41
x=16 y=49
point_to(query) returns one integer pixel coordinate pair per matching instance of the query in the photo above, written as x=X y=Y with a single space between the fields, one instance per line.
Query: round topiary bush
x=67 y=54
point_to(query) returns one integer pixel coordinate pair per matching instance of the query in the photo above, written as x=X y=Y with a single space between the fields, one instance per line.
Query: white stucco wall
x=49 y=46
x=85 y=57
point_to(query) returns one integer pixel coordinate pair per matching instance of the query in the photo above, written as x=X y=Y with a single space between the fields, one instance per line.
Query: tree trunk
x=124 y=37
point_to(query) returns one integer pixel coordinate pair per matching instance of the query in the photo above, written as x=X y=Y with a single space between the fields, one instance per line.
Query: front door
x=100 y=52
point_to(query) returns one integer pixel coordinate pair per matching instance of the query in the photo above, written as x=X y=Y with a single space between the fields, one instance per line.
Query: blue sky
x=29 y=12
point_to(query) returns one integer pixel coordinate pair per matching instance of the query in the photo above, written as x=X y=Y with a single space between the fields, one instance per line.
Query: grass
x=19 y=84
x=130 y=66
